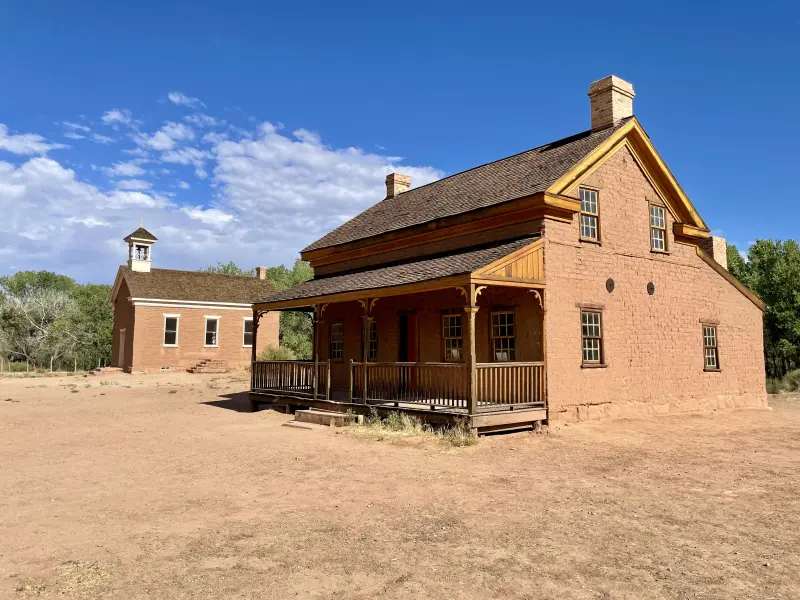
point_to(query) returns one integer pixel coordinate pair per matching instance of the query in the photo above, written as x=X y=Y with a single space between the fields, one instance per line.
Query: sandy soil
x=164 y=487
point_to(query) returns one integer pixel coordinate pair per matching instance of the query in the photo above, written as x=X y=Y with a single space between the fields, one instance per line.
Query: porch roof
x=460 y=262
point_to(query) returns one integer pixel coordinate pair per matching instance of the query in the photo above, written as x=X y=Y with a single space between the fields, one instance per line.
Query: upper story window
x=212 y=331
x=710 y=350
x=170 y=330
x=590 y=217
x=247 y=335
x=451 y=337
x=658 y=229
x=337 y=341
x=592 y=334
x=503 y=339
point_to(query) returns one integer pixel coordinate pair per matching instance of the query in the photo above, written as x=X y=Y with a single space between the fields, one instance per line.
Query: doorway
x=408 y=338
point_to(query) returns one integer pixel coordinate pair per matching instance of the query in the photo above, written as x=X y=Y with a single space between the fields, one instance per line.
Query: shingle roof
x=169 y=284
x=142 y=234
x=453 y=263
x=514 y=177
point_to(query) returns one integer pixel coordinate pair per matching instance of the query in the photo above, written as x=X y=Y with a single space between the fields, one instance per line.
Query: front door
x=408 y=338
x=121 y=363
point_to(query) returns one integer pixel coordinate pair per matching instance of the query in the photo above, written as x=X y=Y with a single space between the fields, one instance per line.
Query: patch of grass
x=399 y=424
x=279 y=353
x=789 y=383
x=108 y=382
x=172 y=392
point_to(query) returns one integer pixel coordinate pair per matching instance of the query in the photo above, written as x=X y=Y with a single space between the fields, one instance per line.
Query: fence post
x=328 y=386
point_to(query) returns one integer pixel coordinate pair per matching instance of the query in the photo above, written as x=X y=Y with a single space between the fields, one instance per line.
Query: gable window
x=247 y=336
x=503 y=340
x=170 y=330
x=451 y=337
x=337 y=340
x=590 y=226
x=212 y=332
x=710 y=350
x=658 y=229
x=592 y=334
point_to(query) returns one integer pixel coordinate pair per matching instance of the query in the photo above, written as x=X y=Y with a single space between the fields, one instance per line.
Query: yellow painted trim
x=632 y=135
x=533 y=284
x=517 y=254
x=689 y=231
x=731 y=279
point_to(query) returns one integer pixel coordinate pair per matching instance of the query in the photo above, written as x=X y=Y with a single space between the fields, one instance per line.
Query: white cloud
x=202 y=120
x=117 y=116
x=166 y=137
x=182 y=99
x=25 y=143
x=209 y=216
x=269 y=194
x=76 y=127
x=133 y=184
x=124 y=169
x=73 y=136
x=102 y=139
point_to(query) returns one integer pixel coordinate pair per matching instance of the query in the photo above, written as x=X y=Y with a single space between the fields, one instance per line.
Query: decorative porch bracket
x=471 y=310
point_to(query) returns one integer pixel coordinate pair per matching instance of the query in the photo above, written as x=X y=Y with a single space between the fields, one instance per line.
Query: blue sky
x=245 y=130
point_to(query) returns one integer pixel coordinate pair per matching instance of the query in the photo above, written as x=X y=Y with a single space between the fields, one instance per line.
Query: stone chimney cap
x=611 y=101
x=397 y=183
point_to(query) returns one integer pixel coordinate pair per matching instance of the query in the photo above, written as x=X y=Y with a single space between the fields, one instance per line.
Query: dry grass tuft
x=400 y=424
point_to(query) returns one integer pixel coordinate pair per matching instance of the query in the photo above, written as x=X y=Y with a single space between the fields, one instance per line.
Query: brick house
x=165 y=319
x=572 y=281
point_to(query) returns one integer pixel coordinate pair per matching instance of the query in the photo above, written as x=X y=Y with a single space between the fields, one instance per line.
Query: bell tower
x=140 y=247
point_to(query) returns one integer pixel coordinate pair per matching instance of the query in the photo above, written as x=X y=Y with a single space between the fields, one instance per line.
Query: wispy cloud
x=183 y=100
x=25 y=143
x=124 y=169
x=133 y=184
x=117 y=116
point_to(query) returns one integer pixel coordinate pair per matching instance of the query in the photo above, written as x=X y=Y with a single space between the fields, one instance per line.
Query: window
x=372 y=351
x=592 y=333
x=451 y=336
x=247 y=338
x=142 y=252
x=658 y=229
x=589 y=215
x=337 y=340
x=710 y=350
x=170 y=330
x=212 y=329
x=503 y=341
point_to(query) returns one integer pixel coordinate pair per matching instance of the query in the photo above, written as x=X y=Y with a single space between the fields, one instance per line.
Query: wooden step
x=321 y=417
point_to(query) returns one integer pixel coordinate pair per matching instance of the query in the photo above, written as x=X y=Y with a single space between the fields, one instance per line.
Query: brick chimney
x=717 y=247
x=397 y=183
x=612 y=100
x=261 y=273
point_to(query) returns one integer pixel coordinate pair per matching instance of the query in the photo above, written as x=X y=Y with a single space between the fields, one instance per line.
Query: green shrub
x=791 y=381
x=279 y=353
x=774 y=386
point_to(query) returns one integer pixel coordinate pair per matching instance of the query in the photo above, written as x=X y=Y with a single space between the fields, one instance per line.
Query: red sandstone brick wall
x=147 y=337
x=653 y=344
x=123 y=319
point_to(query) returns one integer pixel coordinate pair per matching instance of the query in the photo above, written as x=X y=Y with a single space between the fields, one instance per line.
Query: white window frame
x=592 y=217
x=177 y=330
x=656 y=226
x=205 y=331
x=244 y=331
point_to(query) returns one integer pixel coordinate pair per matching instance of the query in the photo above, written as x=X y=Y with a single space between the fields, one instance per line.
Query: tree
x=737 y=265
x=229 y=268
x=773 y=273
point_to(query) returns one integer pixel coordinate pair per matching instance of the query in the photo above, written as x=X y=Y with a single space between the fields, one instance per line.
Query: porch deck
x=508 y=394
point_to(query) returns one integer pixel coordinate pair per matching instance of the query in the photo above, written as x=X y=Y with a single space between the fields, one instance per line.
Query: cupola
x=140 y=245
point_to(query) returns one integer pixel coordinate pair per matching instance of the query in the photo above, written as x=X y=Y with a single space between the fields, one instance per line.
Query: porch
x=469 y=346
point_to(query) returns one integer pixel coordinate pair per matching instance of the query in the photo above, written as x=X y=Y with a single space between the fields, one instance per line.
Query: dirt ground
x=163 y=486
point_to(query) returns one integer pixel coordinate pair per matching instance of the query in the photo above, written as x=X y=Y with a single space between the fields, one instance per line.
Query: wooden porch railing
x=510 y=383
x=294 y=377
x=434 y=384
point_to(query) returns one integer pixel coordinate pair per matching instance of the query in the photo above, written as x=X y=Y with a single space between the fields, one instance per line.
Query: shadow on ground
x=238 y=402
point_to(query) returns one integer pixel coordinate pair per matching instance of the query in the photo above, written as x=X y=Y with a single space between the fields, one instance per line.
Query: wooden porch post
x=314 y=352
x=254 y=349
x=365 y=345
x=471 y=310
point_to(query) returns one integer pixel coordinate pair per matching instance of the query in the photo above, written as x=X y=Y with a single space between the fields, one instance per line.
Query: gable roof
x=444 y=265
x=142 y=234
x=196 y=286
x=507 y=179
